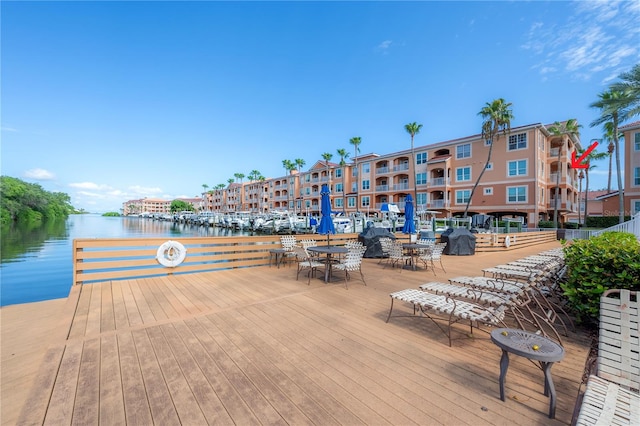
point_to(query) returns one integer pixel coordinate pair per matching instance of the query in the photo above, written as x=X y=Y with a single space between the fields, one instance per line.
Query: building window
x=462 y=196
x=365 y=202
x=338 y=187
x=307 y=178
x=354 y=187
x=338 y=202
x=517 y=168
x=636 y=140
x=518 y=141
x=490 y=166
x=354 y=171
x=463 y=174
x=351 y=202
x=463 y=151
x=421 y=179
x=338 y=173
x=421 y=158
x=488 y=191
x=517 y=194
x=366 y=168
x=366 y=184
x=635 y=207
x=487 y=142
x=307 y=191
x=422 y=199
x=636 y=176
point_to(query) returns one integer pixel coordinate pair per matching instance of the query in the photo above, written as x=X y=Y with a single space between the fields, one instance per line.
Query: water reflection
x=37 y=260
x=19 y=239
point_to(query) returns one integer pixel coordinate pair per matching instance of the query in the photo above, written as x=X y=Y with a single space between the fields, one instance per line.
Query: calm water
x=36 y=261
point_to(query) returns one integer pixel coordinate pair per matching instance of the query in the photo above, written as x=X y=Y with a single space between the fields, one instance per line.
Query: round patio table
x=329 y=251
x=531 y=346
x=413 y=249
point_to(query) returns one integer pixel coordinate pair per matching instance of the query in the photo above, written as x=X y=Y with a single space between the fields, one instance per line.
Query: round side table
x=531 y=346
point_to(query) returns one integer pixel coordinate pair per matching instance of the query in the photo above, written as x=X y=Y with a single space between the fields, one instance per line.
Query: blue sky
x=110 y=101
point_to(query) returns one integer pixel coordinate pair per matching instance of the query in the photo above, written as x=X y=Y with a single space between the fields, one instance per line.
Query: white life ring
x=171 y=254
x=507 y=241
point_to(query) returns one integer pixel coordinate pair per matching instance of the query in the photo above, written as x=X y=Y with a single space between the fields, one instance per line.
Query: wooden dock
x=255 y=346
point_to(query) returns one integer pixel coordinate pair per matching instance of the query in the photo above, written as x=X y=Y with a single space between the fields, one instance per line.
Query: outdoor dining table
x=329 y=251
x=413 y=250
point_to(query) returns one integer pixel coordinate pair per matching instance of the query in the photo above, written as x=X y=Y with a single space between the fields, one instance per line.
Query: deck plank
x=254 y=345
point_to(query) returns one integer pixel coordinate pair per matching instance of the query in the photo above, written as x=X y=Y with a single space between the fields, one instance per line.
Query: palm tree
x=608 y=136
x=592 y=157
x=613 y=106
x=289 y=166
x=327 y=157
x=299 y=162
x=356 y=141
x=497 y=117
x=630 y=85
x=204 y=187
x=566 y=129
x=413 y=129
x=580 y=177
x=343 y=156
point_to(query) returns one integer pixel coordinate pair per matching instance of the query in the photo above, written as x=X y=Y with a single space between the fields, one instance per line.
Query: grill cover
x=370 y=238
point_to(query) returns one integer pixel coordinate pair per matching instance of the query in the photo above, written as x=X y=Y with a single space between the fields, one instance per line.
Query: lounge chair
x=611 y=396
x=454 y=310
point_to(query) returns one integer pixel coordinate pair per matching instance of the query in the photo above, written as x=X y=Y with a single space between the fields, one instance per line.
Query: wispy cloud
x=9 y=129
x=39 y=174
x=141 y=190
x=90 y=186
x=598 y=36
x=384 y=46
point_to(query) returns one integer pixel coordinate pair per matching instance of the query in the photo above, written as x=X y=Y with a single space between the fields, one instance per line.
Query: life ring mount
x=171 y=254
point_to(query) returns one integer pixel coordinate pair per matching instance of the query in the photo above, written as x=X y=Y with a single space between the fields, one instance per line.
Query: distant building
x=155 y=205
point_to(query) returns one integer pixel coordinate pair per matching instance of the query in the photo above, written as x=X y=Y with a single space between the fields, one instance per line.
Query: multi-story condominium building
x=631 y=185
x=529 y=178
x=155 y=205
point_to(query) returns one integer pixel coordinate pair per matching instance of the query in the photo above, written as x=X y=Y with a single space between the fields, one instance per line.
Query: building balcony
x=380 y=188
x=438 y=204
x=441 y=181
x=382 y=170
x=400 y=186
x=401 y=167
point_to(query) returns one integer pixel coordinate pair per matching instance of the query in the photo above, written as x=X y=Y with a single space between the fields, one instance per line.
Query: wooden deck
x=255 y=346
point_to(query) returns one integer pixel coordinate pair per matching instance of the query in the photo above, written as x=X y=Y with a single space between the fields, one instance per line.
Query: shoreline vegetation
x=29 y=202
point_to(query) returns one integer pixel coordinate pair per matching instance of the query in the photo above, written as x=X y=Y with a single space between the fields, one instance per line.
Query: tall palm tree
x=592 y=157
x=613 y=106
x=289 y=167
x=630 y=85
x=608 y=136
x=566 y=129
x=580 y=177
x=497 y=117
x=204 y=187
x=343 y=156
x=327 y=157
x=299 y=162
x=413 y=129
x=356 y=141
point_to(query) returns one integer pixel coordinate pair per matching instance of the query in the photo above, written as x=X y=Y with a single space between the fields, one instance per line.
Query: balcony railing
x=381 y=170
x=400 y=167
x=438 y=181
x=400 y=186
x=438 y=204
x=382 y=188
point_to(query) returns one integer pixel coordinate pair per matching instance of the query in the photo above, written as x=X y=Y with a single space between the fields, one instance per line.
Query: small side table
x=531 y=346
x=279 y=254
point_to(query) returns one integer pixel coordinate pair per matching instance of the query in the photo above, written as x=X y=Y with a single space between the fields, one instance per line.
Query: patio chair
x=397 y=256
x=612 y=393
x=351 y=262
x=450 y=310
x=305 y=262
x=288 y=242
x=435 y=254
x=385 y=246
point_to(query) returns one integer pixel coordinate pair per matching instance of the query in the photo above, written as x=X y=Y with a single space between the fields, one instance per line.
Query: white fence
x=632 y=226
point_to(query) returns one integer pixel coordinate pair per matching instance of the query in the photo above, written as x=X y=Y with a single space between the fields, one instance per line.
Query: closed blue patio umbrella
x=409 y=225
x=326 y=223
